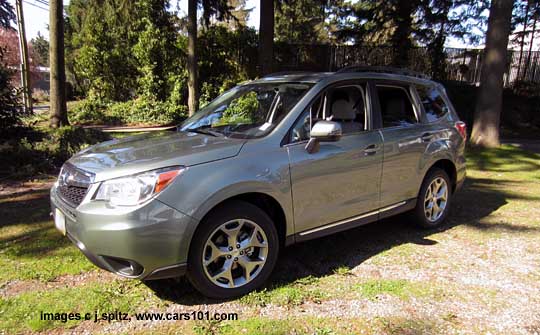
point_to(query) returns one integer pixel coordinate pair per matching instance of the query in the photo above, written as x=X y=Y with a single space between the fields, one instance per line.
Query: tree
x=301 y=21
x=525 y=18
x=266 y=37
x=239 y=15
x=7 y=14
x=193 y=83
x=441 y=19
x=383 y=22
x=9 y=101
x=9 y=43
x=58 y=105
x=218 y=9
x=41 y=50
x=485 y=131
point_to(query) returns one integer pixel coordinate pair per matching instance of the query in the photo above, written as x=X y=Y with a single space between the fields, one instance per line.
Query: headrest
x=343 y=110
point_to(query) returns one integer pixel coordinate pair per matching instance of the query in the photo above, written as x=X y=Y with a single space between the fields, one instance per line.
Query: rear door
x=405 y=141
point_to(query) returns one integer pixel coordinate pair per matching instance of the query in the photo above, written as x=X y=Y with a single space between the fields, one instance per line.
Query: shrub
x=45 y=151
x=10 y=114
x=134 y=112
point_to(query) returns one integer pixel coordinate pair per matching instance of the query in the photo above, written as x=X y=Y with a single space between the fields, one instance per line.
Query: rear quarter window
x=434 y=105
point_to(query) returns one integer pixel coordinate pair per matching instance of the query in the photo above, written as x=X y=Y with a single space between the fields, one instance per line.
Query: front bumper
x=146 y=242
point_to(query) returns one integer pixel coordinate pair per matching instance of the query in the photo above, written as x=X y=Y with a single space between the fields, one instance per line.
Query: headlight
x=136 y=189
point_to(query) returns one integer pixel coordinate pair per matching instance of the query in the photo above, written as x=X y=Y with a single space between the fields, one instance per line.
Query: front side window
x=247 y=111
x=434 y=105
x=396 y=106
x=344 y=104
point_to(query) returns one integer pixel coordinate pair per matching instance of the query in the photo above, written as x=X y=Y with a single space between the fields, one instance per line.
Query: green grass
x=505 y=161
x=400 y=288
x=30 y=246
x=23 y=312
x=289 y=295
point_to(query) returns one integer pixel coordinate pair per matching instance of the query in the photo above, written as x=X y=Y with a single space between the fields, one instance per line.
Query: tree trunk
x=58 y=116
x=266 y=37
x=485 y=131
x=193 y=80
x=401 y=38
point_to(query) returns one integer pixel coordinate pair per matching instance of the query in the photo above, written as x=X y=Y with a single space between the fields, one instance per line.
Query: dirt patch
x=16 y=287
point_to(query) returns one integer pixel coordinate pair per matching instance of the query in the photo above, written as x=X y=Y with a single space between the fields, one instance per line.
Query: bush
x=134 y=112
x=45 y=151
x=10 y=113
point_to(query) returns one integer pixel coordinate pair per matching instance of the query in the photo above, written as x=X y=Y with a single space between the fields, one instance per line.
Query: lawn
x=480 y=273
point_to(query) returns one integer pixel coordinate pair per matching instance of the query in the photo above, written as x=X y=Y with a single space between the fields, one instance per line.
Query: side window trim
x=286 y=141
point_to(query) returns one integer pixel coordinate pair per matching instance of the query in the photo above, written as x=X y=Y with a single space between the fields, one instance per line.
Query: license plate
x=60 y=221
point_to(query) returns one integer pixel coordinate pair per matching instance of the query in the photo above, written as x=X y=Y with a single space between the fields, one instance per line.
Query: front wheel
x=434 y=198
x=233 y=251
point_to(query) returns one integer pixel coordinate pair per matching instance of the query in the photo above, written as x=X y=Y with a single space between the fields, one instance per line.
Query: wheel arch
x=262 y=200
x=447 y=166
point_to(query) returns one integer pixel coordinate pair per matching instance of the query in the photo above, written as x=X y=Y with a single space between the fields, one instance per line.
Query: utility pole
x=23 y=51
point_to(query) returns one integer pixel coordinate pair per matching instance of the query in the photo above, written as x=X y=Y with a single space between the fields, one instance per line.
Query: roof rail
x=284 y=73
x=383 y=69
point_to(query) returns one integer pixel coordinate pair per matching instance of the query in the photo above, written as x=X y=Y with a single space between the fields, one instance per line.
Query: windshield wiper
x=205 y=131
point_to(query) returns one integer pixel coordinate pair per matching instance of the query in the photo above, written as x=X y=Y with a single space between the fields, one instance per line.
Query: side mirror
x=323 y=131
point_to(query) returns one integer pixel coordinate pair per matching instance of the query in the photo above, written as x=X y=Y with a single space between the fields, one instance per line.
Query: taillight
x=462 y=129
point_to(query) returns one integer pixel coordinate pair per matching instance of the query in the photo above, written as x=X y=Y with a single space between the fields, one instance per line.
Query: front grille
x=73 y=184
x=74 y=195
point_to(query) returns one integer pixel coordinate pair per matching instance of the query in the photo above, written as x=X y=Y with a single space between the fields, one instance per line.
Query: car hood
x=155 y=150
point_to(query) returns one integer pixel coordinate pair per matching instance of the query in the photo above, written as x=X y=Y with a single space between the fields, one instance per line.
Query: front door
x=342 y=179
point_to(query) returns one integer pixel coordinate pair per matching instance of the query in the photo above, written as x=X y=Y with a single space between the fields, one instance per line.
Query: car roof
x=315 y=77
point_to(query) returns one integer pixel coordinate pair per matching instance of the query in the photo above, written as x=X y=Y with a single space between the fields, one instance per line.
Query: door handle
x=426 y=137
x=371 y=149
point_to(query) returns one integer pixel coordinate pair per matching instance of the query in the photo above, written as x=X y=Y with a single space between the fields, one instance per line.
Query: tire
x=242 y=223
x=421 y=214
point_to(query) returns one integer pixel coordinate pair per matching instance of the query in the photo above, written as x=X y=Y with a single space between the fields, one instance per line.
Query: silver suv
x=272 y=162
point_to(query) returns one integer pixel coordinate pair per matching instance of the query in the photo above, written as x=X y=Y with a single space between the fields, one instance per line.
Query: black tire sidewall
x=226 y=212
x=419 y=214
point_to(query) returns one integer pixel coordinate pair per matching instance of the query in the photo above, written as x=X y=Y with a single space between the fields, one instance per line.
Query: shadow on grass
x=321 y=257
x=515 y=159
x=36 y=235
x=24 y=207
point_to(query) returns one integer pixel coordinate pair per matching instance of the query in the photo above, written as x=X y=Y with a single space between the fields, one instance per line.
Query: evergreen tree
x=301 y=21
x=40 y=47
x=7 y=14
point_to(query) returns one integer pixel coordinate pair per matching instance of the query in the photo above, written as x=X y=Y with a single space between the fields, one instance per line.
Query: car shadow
x=322 y=256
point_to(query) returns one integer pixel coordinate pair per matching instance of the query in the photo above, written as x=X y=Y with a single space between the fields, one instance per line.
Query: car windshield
x=247 y=111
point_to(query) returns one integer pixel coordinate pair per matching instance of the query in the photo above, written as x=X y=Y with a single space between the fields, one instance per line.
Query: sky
x=37 y=18
x=36 y=15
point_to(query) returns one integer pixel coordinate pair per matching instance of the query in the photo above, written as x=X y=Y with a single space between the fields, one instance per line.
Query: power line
x=43 y=2
x=33 y=4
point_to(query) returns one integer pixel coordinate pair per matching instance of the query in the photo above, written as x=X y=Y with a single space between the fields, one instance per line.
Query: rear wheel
x=233 y=251
x=434 y=198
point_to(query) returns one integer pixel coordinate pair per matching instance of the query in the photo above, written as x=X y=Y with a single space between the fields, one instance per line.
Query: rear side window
x=433 y=103
x=396 y=106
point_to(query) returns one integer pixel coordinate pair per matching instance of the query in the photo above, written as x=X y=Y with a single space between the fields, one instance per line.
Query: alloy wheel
x=436 y=199
x=235 y=253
